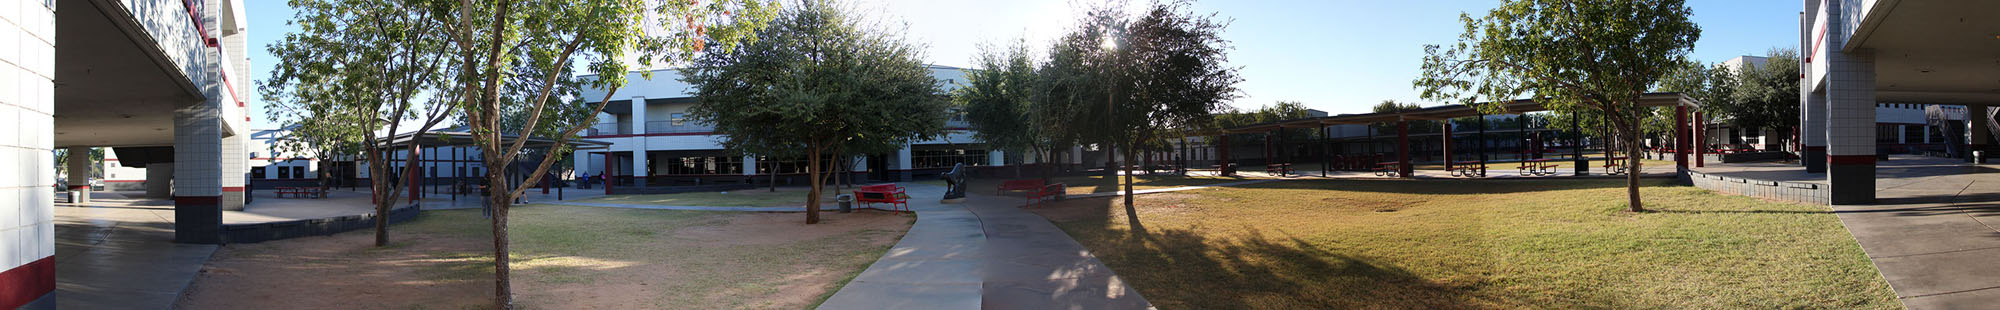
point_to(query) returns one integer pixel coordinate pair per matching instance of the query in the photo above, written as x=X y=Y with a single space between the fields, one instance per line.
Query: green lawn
x=1076 y=185
x=1444 y=244
x=793 y=196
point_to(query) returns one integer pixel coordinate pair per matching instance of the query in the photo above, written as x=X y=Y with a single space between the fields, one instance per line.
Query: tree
x=1767 y=95
x=997 y=100
x=1571 y=56
x=1168 y=70
x=357 y=72
x=520 y=55
x=818 y=82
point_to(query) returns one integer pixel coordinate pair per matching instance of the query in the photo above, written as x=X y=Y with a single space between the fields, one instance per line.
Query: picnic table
x=1388 y=169
x=1469 y=168
x=1614 y=165
x=1279 y=169
x=1540 y=166
x=302 y=192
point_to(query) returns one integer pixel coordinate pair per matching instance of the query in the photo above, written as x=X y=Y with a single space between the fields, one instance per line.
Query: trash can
x=846 y=203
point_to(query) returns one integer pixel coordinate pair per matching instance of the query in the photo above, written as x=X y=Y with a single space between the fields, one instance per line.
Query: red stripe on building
x=232 y=188
x=30 y=281
x=1850 y=159
x=123 y=181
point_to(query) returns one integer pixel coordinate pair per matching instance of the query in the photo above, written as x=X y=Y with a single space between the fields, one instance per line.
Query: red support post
x=1446 y=128
x=1681 y=138
x=1403 y=148
x=1222 y=151
x=610 y=174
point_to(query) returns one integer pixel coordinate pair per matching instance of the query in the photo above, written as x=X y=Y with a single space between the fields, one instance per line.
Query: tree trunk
x=1131 y=213
x=503 y=288
x=812 y=173
x=774 y=174
x=1632 y=168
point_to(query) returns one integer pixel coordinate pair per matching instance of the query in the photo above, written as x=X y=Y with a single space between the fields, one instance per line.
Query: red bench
x=1035 y=189
x=885 y=193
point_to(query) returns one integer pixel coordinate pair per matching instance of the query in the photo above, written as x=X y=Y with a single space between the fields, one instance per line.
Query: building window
x=258 y=172
x=299 y=171
x=284 y=173
x=678 y=118
x=945 y=158
x=1886 y=133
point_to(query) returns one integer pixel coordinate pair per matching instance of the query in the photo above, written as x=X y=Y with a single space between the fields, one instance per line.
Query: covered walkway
x=1480 y=162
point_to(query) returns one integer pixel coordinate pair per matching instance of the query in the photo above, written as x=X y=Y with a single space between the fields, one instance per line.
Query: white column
x=639 y=164
x=235 y=165
x=1927 y=134
x=996 y=158
x=80 y=169
x=903 y=164
x=749 y=165
x=1850 y=126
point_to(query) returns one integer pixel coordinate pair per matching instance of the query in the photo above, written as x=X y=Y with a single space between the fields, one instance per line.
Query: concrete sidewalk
x=935 y=266
x=1031 y=264
x=117 y=252
x=1932 y=233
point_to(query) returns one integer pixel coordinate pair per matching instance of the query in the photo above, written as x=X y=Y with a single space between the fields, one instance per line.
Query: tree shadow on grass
x=1178 y=268
x=1451 y=186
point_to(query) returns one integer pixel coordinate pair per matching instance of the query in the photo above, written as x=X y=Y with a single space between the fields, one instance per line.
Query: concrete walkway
x=117 y=252
x=987 y=253
x=935 y=266
x=1931 y=233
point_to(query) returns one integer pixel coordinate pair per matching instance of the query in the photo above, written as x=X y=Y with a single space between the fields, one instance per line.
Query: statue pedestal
x=952 y=200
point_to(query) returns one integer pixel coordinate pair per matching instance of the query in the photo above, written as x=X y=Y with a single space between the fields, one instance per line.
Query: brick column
x=1701 y=139
x=1850 y=126
x=27 y=200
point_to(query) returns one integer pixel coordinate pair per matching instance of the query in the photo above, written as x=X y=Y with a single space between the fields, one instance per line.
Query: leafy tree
x=521 y=55
x=818 y=83
x=998 y=102
x=1767 y=95
x=62 y=160
x=1571 y=56
x=1167 y=70
x=356 y=71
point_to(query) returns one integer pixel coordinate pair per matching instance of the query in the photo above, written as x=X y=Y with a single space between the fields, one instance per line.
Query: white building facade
x=654 y=141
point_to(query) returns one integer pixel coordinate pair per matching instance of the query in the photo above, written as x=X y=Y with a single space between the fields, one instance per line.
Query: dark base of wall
x=198 y=220
x=1815 y=160
x=1852 y=184
x=260 y=232
x=1753 y=156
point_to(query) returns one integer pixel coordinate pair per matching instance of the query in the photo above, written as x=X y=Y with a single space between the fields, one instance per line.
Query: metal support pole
x=1403 y=148
x=1482 y=144
x=1325 y=151
x=1576 y=144
x=1445 y=142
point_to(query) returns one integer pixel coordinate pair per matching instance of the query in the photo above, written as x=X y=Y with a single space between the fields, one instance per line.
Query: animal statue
x=954 y=181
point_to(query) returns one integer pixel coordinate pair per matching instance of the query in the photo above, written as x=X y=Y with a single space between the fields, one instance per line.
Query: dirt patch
x=564 y=258
x=777 y=228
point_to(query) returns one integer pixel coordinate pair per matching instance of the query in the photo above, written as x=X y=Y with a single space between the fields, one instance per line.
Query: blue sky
x=1335 y=56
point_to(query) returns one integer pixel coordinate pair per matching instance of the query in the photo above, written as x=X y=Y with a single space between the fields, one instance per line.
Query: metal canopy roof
x=462 y=138
x=1439 y=113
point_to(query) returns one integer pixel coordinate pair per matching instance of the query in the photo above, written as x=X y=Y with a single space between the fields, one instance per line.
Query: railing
x=606 y=129
x=684 y=127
